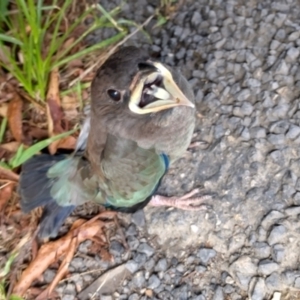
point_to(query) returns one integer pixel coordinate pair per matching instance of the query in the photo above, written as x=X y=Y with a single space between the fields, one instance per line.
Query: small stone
x=280 y=127
x=262 y=234
x=138 y=279
x=161 y=265
x=149 y=265
x=228 y=289
x=229 y=280
x=292 y=54
x=272 y=217
x=294 y=36
x=293 y=211
x=259 y=290
x=276 y=296
x=274 y=282
x=196 y=18
x=145 y=248
x=138 y=218
x=106 y=297
x=77 y=264
x=84 y=246
x=243 y=95
x=277 y=139
x=219 y=295
x=49 y=275
x=289 y=277
x=236 y=242
x=243 y=270
x=153 y=282
x=116 y=248
x=132 y=266
x=206 y=254
x=247 y=108
x=258 y=132
x=200 y=269
x=140 y=258
x=293 y=132
x=262 y=250
x=297 y=283
x=134 y=296
x=245 y=135
x=131 y=230
x=68 y=297
x=132 y=242
x=180 y=268
x=277 y=234
x=266 y=267
x=70 y=289
x=278 y=253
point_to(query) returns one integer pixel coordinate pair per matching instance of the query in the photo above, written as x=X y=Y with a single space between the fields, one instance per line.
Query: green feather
x=131 y=174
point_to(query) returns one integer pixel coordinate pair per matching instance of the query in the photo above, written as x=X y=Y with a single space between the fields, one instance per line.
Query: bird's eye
x=114 y=94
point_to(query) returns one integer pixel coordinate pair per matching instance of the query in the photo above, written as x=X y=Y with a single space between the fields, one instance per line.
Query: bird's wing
x=131 y=173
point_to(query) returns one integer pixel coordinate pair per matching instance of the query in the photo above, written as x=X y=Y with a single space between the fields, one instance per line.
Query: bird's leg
x=185 y=202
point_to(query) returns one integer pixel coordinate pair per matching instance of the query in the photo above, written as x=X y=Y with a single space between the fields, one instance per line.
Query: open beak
x=155 y=91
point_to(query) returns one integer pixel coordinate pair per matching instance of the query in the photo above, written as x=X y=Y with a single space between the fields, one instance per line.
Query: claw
x=185 y=202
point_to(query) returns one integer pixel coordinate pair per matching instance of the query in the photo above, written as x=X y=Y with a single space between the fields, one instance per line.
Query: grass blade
x=31 y=151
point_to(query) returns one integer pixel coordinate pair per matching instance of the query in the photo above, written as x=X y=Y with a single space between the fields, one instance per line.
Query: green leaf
x=2 y=129
x=10 y=39
x=4 y=165
x=8 y=264
x=15 y=297
x=23 y=156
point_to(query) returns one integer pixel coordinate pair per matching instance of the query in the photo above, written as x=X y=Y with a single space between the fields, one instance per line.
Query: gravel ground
x=241 y=57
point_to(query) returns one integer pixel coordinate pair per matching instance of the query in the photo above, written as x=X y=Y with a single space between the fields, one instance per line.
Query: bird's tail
x=35 y=190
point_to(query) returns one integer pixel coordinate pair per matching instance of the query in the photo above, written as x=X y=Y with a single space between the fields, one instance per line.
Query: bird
x=141 y=119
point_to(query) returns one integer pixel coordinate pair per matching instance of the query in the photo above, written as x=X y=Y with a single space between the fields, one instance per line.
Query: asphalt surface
x=242 y=60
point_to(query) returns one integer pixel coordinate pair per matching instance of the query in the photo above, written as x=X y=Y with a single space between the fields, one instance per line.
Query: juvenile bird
x=141 y=119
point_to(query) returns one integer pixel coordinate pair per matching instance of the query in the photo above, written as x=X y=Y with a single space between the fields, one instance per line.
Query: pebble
x=262 y=250
x=161 y=265
x=146 y=249
x=271 y=218
x=153 y=282
x=138 y=279
x=206 y=254
x=138 y=218
x=266 y=267
x=259 y=290
x=219 y=295
x=274 y=282
x=132 y=266
x=277 y=234
x=278 y=253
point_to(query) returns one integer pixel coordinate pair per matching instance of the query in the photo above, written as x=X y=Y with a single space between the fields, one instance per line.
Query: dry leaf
x=11 y=146
x=68 y=142
x=14 y=115
x=62 y=271
x=3 y=110
x=38 y=133
x=49 y=253
x=8 y=174
x=54 y=110
x=5 y=194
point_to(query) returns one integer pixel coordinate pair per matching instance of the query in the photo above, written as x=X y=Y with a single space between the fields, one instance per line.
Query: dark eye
x=114 y=94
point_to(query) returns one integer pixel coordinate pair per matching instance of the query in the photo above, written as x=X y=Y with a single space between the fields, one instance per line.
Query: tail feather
x=52 y=219
x=35 y=187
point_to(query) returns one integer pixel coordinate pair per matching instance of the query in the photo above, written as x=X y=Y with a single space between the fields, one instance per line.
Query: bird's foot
x=185 y=202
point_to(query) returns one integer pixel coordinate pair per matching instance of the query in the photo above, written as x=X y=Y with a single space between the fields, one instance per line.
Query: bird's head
x=131 y=82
